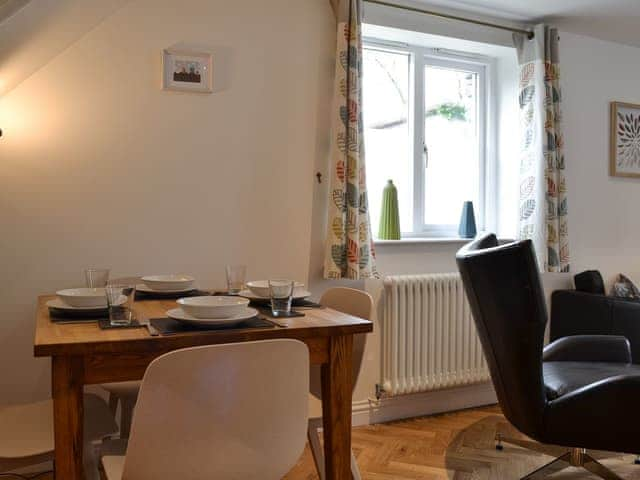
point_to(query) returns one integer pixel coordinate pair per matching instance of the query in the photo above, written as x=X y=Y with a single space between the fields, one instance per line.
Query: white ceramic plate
x=182 y=316
x=83 y=297
x=213 y=306
x=260 y=288
x=59 y=304
x=146 y=289
x=298 y=294
x=168 y=282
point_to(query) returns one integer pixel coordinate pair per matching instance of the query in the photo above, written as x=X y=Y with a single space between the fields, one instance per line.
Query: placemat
x=169 y=295
x=168 y=326
x=59 y=315
x=267 y=311
x=303 y=302
x=300 y=302
x=105 y=324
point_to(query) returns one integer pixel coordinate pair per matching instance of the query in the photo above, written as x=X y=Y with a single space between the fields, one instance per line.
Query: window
x=425 y=129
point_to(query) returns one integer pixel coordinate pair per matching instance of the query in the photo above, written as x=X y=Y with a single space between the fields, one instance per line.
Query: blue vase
x=467 y=227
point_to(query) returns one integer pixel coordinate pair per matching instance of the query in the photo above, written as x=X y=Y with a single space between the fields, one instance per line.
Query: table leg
x=336 y=408
x=67 y=382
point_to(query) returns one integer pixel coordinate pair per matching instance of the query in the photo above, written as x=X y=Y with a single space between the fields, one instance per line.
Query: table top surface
x=87 y=338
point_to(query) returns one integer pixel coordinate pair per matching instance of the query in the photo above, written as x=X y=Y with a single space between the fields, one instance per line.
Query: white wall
x=99 y=166
x=508 y=169
x=603 y=210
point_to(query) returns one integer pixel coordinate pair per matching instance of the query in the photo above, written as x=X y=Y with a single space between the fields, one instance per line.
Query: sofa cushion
x=589 y=281
x=561 y=378
x=623 y=287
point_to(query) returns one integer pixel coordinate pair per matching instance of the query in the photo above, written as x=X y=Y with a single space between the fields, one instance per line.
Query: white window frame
x=419 y=58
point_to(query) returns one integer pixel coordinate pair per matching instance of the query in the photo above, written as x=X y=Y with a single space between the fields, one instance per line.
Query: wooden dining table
x=83 y=354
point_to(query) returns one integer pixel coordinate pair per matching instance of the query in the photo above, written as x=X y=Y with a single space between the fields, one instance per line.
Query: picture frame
x=187 y=71
x=624 y=142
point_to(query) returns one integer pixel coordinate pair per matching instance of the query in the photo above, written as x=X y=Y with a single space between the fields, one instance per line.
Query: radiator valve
x=379 y=391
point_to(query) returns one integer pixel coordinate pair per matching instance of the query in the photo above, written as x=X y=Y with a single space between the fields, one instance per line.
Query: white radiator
x=429 y=340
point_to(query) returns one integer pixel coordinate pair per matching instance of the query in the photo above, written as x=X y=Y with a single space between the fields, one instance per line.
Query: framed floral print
x=625 y=140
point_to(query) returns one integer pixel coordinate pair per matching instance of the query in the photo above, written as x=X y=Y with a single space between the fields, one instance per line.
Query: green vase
x=389 y=217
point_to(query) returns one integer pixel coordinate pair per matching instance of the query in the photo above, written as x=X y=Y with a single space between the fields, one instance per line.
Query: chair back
x=348 y=300
x=507 y=301
x=352 y=302
x=236 y=411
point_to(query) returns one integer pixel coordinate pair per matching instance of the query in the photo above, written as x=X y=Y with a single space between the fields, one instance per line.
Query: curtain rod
x=447 y=16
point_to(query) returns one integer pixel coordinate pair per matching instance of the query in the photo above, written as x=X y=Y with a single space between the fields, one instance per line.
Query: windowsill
x=411 y=240
x=430 y=241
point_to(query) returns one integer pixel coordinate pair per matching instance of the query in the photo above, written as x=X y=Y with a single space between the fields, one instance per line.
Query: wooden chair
x=359 y=304
x=26 y=433
x=219 y=411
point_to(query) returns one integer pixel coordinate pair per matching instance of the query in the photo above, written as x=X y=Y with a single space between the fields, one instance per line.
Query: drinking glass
x=96 y=277
x=120 y=300
x=235 y=278
x=281 y=293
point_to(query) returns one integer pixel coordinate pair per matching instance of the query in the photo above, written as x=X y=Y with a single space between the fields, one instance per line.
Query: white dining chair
x=123 y=395
x=359 y=304
x=26 y=433
x=235 y=411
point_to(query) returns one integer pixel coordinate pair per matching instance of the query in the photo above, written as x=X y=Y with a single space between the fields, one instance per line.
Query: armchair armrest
x=589 y=348
x=597 y=414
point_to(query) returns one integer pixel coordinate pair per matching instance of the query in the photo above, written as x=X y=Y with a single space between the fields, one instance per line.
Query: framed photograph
x=625 y=140
x=187 y=71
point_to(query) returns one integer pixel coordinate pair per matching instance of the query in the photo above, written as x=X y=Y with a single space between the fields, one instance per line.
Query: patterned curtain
x=349 y=248
x=543 y=190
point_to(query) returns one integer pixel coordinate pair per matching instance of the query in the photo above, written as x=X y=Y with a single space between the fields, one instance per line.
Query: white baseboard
x=367 y=412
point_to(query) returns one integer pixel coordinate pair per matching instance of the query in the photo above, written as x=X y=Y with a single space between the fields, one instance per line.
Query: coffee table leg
x=67 y=382
x=336 y=408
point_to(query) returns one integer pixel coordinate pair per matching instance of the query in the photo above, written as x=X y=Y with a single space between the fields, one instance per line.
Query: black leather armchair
x=581 y=313
x=579 y=392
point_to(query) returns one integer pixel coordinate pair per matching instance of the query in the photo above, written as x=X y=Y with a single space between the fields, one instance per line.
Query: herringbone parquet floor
x=453 y=446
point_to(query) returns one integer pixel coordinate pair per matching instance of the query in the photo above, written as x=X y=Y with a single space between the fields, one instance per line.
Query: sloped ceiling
x=9 y=7
x=34 y=32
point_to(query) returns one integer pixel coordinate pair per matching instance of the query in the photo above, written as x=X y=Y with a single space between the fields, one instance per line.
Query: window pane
x=386 y=123
x=451 y=136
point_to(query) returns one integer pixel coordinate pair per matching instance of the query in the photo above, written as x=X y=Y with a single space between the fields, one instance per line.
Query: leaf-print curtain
x=349 y=248
x=543 y=191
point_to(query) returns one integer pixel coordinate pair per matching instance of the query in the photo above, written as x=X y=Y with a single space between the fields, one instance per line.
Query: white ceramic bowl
x=213 y=307
x=168 y=282
x=261 y=287
x=83 y=297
